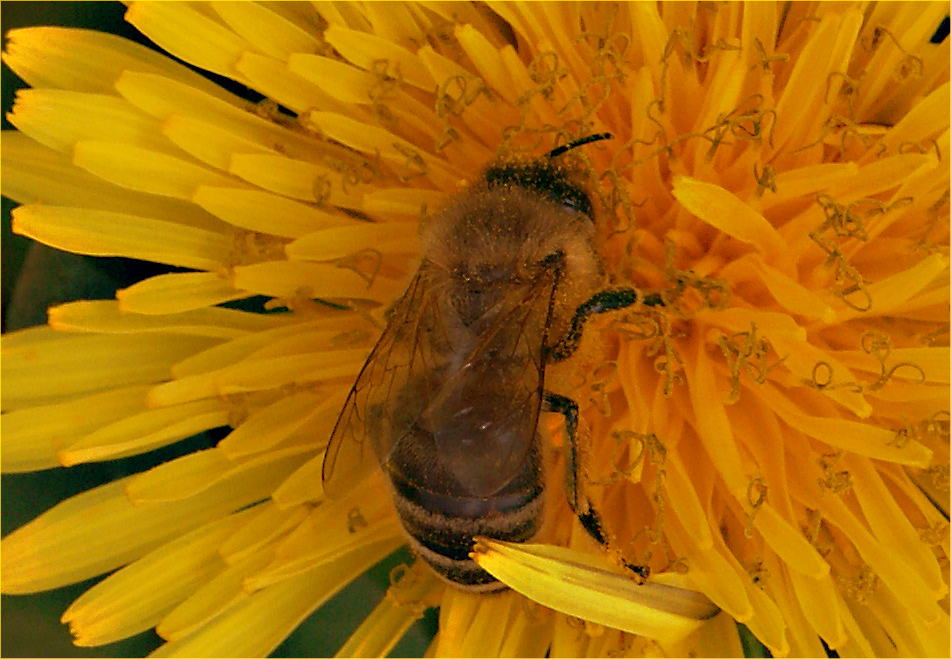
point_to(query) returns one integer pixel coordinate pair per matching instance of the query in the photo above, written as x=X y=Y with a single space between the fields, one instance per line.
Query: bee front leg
x=611 y=300
x=589 y=517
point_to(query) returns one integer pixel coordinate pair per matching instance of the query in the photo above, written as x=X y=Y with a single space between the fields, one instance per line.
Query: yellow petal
x=713 y=426
x=136 y=597
x=193 y=473
x=260 y=375
x=303 y=486
x=287 y=331
x=711 y=573
x=272 y=425
x=317 y=280
x=178 y=292
x=408 y=159
x=802 y=108
x=402 y=201
x=804 y=181
x=145 y=170
x=820 y=603
x=891 y=525
x=32 y=437
x=104 y=316
x=207 y=142
x=267 y=29
x=191 y=35
x=721 y=209
x=298 y=179
x=90 y=61
x=364 y=515
x=163 y=98
x=881 y=175
x=719 y=637
x=268 y=213
x=274 y=79
x=476 y=626
x=363 y=49
x=104 y=233
x=908 y=587
x=255 y=626
x=571 y=582
x=803 y=639
x=924 y=119
x=485 y=56
x=890 y=295
x=92 y=363
x=859 y=438
x=58 y=119
x=344 y=82
x=389 y=238
x=932 y=362
x=146 y=431
x=791 y=294
x=210 y=599
x=268 y=524
x=100 y=530
x=405 y=603
x=35 y=174
x=456 y=611
x=395 y=22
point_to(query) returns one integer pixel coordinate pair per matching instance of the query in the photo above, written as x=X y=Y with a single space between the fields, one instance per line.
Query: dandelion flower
x=774 y=437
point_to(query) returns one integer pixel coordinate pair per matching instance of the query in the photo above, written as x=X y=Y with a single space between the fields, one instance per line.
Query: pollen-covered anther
x=750 y=356
x=837 y=482
x=248 y=247
x=861 y=586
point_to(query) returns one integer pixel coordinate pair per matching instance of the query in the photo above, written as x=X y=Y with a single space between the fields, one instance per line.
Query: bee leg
x=589 y=517
x=611 y=300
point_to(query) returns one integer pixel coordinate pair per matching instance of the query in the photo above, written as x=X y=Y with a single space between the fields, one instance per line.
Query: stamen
x=860 y=587
x=766 y=180
x=838 y=482
x=849 y=88
x=756 y=497
x=910 y=66
x=766 y=60
x=880 y=346
x=822 y=375
x=750 y=356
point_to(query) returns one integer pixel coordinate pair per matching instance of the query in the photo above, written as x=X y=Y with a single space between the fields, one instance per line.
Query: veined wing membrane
x=485 y=415
x=390 y=392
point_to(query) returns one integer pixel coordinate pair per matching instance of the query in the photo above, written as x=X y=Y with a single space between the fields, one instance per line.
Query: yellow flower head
x=770 y=437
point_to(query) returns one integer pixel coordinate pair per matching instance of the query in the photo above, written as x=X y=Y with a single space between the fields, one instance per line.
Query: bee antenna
x=597 y=137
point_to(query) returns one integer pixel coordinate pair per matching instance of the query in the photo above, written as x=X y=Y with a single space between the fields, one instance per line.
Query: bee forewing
x=485 y=415
x=389 y=393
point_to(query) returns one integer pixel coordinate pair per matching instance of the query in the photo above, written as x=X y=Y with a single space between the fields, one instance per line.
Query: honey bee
x=448 y=402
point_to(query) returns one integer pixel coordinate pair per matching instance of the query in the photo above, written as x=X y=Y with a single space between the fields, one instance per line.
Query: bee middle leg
x=610 y=300
x=589 y=517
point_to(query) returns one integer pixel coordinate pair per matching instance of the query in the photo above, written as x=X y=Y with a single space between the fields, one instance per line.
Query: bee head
x=546 y=178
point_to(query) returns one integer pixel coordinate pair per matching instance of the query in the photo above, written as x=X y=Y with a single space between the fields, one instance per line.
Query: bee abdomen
x=444 y=539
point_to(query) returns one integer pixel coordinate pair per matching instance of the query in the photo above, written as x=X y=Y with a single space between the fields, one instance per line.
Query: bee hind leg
x=589 y=517
x=610 y=300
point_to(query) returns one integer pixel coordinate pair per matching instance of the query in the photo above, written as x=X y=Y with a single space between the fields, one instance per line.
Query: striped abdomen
x=441 y=520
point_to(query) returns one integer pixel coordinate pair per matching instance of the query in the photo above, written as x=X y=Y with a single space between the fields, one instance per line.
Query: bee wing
x=375 y=416
x=485 y=415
